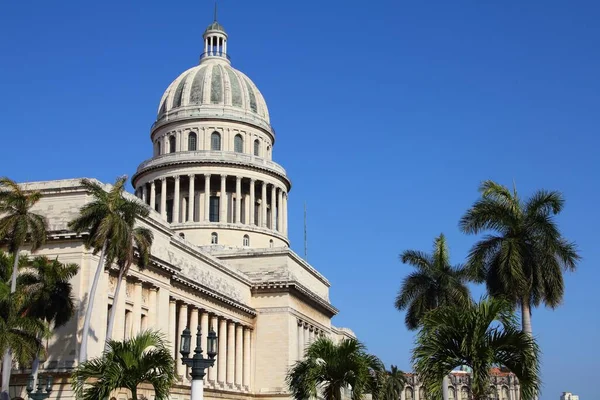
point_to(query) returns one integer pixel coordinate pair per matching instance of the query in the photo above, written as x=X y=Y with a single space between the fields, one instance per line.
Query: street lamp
x=198 y=363
x=39 y=394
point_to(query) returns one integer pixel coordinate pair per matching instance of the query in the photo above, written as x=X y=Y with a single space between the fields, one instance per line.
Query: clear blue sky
x=390 y=111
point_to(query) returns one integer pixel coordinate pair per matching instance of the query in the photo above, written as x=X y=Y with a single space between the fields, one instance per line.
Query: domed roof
x=215 y=26
x=214 y=89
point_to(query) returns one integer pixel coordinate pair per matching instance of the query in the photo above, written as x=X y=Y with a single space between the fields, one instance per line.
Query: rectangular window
x=214 y=209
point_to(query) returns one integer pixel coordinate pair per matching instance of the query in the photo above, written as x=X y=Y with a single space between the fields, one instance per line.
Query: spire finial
x=215 y=11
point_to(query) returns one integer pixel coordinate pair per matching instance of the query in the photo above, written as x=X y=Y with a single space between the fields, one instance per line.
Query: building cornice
x=295 y=288
x=202 y=158
x=210 y=293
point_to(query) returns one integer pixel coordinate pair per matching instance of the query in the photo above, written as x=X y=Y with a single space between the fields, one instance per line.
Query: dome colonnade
x=211 y=175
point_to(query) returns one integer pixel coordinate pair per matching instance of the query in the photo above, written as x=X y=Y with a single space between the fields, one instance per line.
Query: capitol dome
x=214 y=89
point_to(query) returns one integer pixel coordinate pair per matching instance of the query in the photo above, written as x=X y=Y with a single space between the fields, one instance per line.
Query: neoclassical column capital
x=252 y=180
x=163 y=179
x=206 y=176
x=191 y=176
x=300 y=322
x=176 y=177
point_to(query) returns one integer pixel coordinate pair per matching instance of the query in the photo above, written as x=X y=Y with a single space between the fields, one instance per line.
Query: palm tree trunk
x=7 y=357
x=526 y=317
x=134 y=393
x=90 y=306
x=445 y=382
x=13 y=281
x=526 y=322
x=6 y=370
x=113 y=309
x=35 y=367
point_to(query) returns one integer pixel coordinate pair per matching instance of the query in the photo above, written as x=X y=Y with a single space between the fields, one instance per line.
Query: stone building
x=503 y=386
x=221 y=255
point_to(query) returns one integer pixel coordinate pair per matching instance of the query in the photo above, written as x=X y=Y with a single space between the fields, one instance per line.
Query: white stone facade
x=220 y=257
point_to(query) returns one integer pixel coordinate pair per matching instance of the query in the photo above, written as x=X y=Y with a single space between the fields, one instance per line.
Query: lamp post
x=198 y=363
x=39 y=394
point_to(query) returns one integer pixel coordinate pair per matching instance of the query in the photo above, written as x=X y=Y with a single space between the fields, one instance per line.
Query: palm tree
x=480 y=336
x=18 y=225
x=329 y=368
x=394 y=382
x=109 y=219
x=139 y=238
x=435 y=283
x=127 y=364
x=49 y=293
x=523 y=260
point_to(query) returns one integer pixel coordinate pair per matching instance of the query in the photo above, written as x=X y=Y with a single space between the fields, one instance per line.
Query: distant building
x=503 y=386
x=569 y=396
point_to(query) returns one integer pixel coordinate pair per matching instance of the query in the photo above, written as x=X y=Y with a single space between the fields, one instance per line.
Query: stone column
x=118 y=332
x=273 y=207
x=306 y=335
x=230 y=352
x=285 y=214
x=239 y=331
x=183 y=316
x=223 y=201
x=212 y=372
x=222 y=352
x=280 y=210
x=152 y=306
x=247 y=366
x=252 y=201
x=173 y=327
x=176 y=201
x=263 y=205
x=144 y=194
x=153 y=196
x=163 y=197
x=137 y=308
x=238 y=199
x=300 y=339
x=191 y=198
x=207 y=200
x=246 y=208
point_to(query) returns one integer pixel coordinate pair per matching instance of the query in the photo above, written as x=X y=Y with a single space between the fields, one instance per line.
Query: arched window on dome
x=268 y=152
x=246 y=241
x=158 y=148
x=451 y=393
x=214 y=238
x=271 y=243
x=192 y=140
x=238 y=144
x=215 y=141
x=256 y=148
x=172 y=143
x=408 y=394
